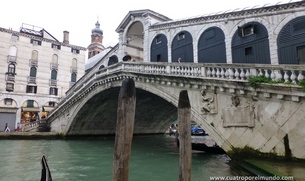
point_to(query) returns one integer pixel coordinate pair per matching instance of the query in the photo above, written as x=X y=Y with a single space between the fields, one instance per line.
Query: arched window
x=13 y=51
x=11 y=68
x=73 y=77
x=54 y=75
x=33 y=72
x=74 y=63
x=55 y=59
x=34 y=55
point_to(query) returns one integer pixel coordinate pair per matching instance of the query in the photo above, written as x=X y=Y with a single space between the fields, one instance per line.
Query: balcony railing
x=12 y=59
x=31 y=80
x=73 y=69
x=10 y=77
x=53 y=82
x=54 y=66
x=33 y=63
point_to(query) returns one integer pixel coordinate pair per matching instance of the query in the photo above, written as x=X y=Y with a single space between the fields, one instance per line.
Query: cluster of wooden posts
x=125 y=125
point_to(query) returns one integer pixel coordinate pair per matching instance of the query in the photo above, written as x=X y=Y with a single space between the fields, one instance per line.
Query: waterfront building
x=36 y=71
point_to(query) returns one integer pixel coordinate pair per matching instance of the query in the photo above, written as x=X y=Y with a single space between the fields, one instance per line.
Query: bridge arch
x=156 y=109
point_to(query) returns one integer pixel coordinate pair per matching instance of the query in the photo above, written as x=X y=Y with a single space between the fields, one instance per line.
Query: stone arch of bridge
x=163 y=99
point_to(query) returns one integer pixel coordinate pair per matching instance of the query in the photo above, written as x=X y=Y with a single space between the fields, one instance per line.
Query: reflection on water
x=153 y=158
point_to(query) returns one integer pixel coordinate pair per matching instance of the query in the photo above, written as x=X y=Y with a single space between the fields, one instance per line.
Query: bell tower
x=96 y=45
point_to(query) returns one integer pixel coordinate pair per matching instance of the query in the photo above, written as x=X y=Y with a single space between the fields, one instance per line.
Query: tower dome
x=97 y=29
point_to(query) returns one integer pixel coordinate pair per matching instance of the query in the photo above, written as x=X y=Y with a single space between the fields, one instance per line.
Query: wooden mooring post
x=184 y=129
x=124 y=130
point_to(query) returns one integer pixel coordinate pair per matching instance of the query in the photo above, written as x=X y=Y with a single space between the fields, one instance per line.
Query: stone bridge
x=237 y=114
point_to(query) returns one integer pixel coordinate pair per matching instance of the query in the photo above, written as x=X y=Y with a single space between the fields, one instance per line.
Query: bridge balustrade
x=225 y=72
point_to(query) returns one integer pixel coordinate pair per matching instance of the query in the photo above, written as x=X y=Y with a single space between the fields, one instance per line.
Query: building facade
x=36 y=71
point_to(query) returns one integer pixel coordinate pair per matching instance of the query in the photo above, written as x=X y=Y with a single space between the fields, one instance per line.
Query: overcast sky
x=79 y=17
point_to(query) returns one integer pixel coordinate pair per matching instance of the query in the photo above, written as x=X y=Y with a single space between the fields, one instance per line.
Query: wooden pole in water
x=124 y=130
x=184 y=128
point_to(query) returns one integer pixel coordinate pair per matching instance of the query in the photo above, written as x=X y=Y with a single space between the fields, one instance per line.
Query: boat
x=45 y=171
x=206 y=144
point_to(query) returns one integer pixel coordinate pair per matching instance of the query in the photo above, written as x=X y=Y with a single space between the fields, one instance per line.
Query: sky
x=79 y=17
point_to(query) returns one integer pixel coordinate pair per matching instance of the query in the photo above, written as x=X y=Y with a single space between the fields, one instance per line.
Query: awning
x=47 y=108
x=30 y=109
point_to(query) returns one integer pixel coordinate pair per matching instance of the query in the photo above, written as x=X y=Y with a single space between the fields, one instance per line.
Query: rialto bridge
x=267 y=117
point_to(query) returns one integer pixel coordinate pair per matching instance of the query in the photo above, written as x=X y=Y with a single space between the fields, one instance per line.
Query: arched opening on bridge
x=250 y=44
x=134 y=41
x=158 y=49
x=211 y=46
x=113 y=60
x=98 y=115
x=291 y=42
x=182 y=47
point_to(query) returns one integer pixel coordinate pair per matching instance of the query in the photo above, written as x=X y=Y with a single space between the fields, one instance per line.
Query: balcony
x=53 y=82
x=33 y=63
x=54 y=66
x=73 y=69
x=10 y=77
x=31 y=80
x=11 y=59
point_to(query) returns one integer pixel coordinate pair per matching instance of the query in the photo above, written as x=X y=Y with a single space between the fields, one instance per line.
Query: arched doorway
x=250 y=44
x=29 y=112
x=291 y=42
x=182 y=47
x=158 y=49
x=134 y=41
x=211 y=46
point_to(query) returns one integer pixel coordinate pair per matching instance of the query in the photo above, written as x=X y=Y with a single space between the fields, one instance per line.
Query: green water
x=153 y=158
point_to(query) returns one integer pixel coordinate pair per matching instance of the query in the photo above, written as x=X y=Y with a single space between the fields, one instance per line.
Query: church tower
x=96 y=45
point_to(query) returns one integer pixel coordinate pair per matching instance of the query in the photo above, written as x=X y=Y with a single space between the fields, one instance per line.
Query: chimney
x=66 y=37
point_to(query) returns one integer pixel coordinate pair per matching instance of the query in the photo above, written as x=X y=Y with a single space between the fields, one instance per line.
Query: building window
x=15 y=37
x=11 y=68
x=248 y=51
x=9 y=87
x=158 y=40
x=31 y=89
x=8 y=101
x=53 y=91
x=35 y=42
x=52 y=104
x=30 y=103
x=73 y=77
x=248 y=30
x=54 y=75
x=56 y=46
x=74 y=51
x=181 y=36
x=33 y=72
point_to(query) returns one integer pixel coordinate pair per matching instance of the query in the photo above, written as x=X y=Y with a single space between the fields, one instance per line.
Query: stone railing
x=225 y=72
x=229 y=72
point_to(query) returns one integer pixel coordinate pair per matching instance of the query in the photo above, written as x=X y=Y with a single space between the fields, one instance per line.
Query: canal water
x=153 y=158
